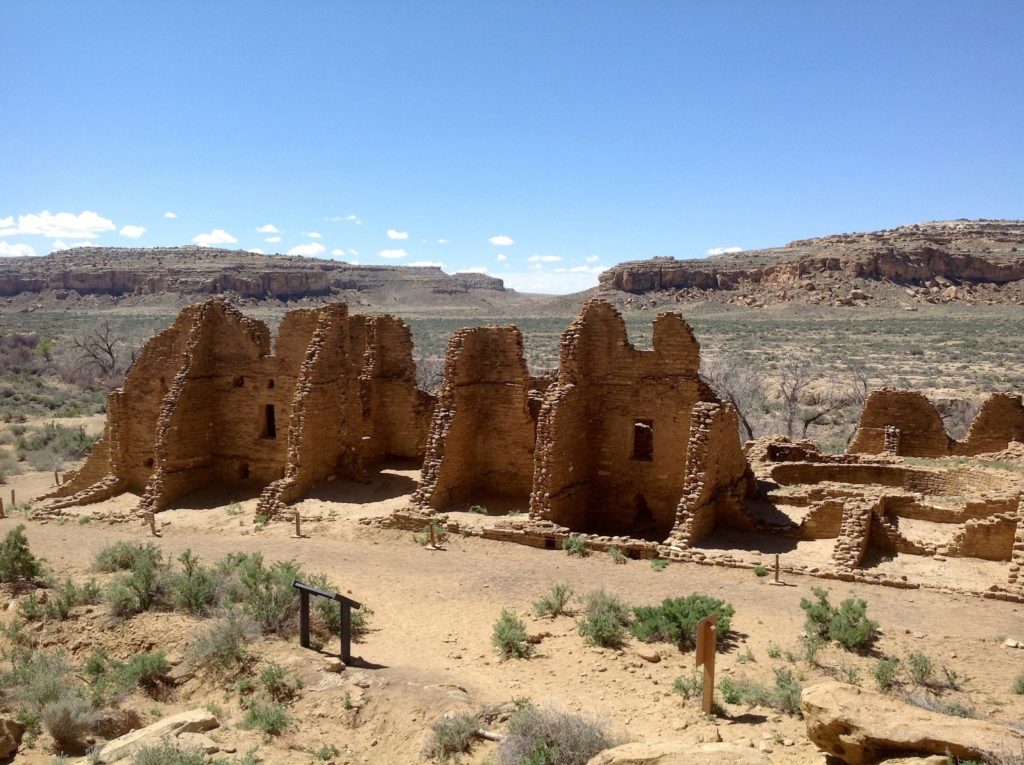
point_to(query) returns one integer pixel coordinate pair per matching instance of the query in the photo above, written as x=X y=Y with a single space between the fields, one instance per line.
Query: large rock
x=679 y=753
x=193 y=721
x=863 y=727
x=11 y=732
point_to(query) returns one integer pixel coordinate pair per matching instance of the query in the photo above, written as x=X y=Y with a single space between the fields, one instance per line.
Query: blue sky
x=539 y=141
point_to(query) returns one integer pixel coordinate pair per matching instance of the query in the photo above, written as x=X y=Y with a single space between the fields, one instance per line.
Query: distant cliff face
x=960 y=251
x=184 y=271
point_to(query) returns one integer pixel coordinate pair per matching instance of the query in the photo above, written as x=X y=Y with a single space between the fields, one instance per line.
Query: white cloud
x=169 y=214
x=580 y=270
x=311 y=250
x=132 y=232
x=393 y=253
x=340 y=252
x=426 y=264
x=724 y=250
x=442 y=241
x=217 y=236
x=313 y=234
x=269 y=228
x=350 y=218
x=501 y=240
x=501 y=256
x=59 y=246
x=473 y=270
x=16 y=250
x=55 y=225
x=547 y=282
x=257 y=250
x=543 y=258
x=272 y=239
x=592 y=258
x=392 y=234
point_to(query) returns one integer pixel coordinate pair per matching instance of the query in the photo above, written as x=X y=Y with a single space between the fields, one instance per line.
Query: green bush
x=887 y=673
x=451 y=736
x=576 y=546
x=675 y=620
x=783 y=695
x=125 y=556
x=689 y=687
x=555 y=603
x=848 y=625
x=760 y=571
x=168 y=754
x=617 y=556
x=224 y=643
x=49 y=447
x=145 y=669
x=194 y=590
x=659 y=564
x=272 y=719
x=67 y=595
x=68 y=720
x=36 y=678
x=509 y=637
x=17 y=563
x=547 y=737
x=146 y=586
x=920 y=668
x=605 y=619
x=29 y=607
x=274 y=679
x=1018 y=684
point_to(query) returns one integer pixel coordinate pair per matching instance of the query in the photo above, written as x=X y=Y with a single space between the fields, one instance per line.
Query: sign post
x=707 y=637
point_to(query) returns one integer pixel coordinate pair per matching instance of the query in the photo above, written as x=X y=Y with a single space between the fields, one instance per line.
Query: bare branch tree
x=741 y=384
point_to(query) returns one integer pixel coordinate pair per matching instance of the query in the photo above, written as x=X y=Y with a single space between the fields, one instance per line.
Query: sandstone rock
x=198 y=741
x=679 y=753
x=11 y=732
x=193 y=721
x=862 y=727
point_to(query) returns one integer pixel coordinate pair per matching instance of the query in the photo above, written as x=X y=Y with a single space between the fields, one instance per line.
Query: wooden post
x=56 y=478
x=304 y=618
x=298 y=525
x=13 y=503
x=151 y=517
x=776 y=568
x=707 y=637
x=2 y=515
x=433 y=539
x=346 y=632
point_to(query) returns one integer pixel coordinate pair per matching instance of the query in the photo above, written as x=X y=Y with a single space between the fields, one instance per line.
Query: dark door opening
x=270 y=423
x=643 y=440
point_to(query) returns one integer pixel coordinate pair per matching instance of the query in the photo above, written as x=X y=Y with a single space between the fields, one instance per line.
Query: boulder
x=861 y=727
x=679 y=753
x=193 y=721
x=11 y=732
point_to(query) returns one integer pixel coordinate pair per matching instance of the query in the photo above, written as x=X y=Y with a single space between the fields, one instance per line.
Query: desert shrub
x=659 y=564
x=555 y=603
x=848 y=625
x=194 y=590
x=576 y=546
x=1018 y=685
x=760 y=571
x=887 y=673
x=168 y=754
x=605 y=619
x=145 y=669
x=272 y=719
x=783 y=695
x=268 y=597
x=617 y=556
x=548 y=737
x=224 y=643
x=17 y=563
x=675 y=620
x=8 y=466
x=451 y=736
x=330 y=615
x=36 y=678
x=933 y=703
x=689 y=687
x=147 y=585
x=509 y=637
x=67 y=595
x=274 y=679
x=29 y=607
x=49 y=447
x=920 y=668
x=125 y=556
x=68 y=719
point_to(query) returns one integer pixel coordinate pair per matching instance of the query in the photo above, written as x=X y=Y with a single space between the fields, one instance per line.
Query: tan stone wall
x=482 y=435
x=999 y=421
x=922 y=433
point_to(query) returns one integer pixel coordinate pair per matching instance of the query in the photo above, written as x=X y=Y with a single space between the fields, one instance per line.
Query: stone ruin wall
x=915 y=428
x=482 y=434
x=208 y=401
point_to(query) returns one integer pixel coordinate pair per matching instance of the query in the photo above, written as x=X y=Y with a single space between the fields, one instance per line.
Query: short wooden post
x=707 y=637
x=298 y=524
x=433 y=538
x=56 y=478
x=2 y=515
x=151 y=517
x=303 y=618
x=776 y=568
x=346 y=632
x=14 y=504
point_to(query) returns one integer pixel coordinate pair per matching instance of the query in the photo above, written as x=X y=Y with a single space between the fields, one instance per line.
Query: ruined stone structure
x=208 y=401
x=624 y=443
x=905 y=423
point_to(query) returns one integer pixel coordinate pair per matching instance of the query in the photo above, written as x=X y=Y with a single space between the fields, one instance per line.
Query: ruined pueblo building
x=625 y=442
x=207 y=400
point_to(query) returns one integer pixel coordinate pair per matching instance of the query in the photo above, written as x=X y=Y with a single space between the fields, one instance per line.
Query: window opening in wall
x=148 y=462
x=270 y=423
x=643 y=440
x=239 y=381
x=270 y=383
x=243 y=471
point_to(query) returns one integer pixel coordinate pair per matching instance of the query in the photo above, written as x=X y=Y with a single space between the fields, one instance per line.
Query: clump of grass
x=509 y=637
x=920 y=668
x=547 y=737
x=675 y=620
x=783 y=695
x=1018 y=685
x=126 y=556
x=760 y=572
x=575 y=546
x=847 y=625
x=452 y=735
x=555 y=603
x=659 y=564
x=68 y=719
x=605 y=620
x=273 y=719
x=689 y=687
x=276 y=684
x=478 y=509
x=168 y=754
x=67 y=595
x=617 y=556
x=17 y=563
x=887 y=672
x=223 y=644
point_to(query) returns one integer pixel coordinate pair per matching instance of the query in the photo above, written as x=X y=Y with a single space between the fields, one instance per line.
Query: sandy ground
x=429 y=649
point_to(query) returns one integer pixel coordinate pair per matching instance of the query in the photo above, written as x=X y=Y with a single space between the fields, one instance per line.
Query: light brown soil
x=429 y=649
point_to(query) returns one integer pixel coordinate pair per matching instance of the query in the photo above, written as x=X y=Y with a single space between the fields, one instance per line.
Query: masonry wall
x=614 y=429
x=999 y=421
x=482 y=434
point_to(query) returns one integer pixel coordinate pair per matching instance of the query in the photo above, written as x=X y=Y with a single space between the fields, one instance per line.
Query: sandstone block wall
x=482 y=434
x=906 y=423
x=207 y=400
